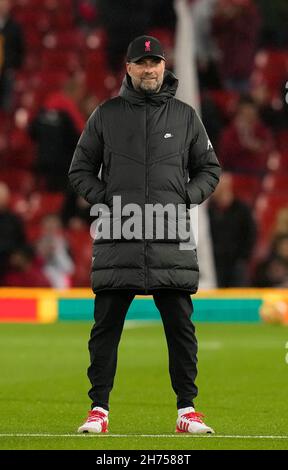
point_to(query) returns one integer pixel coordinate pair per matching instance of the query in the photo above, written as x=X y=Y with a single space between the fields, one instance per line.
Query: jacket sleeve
x=87 y=160
x=203 y=166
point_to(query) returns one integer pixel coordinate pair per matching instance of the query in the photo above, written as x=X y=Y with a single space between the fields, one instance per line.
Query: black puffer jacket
x=149 y=147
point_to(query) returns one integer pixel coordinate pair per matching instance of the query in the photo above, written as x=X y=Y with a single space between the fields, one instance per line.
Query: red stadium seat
x=18 y=180
x=21 y=149
x=33 y=41
x=32 y=19
x=80 y=243
x=266 y=208
x=278 y=162
x=246 y=187
x=271 y=67
x=62 y=19
x=164 y=35
x=96 y=70
x=18 y=203
x=52 y=80
x=55 y=59
x=73 y=40
x=276 y=183
x=97 y=39
x=33 y=231
x=44 y=203
x=282 y=141
x=283 y=165
x=225 y=100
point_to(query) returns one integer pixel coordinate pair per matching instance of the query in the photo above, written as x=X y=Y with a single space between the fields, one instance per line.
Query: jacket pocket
x=107 y=176
x=108 y=168
x=183 y=164
x=183 y=174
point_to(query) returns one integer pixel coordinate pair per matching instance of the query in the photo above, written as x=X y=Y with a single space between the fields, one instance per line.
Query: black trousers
x=175 y=308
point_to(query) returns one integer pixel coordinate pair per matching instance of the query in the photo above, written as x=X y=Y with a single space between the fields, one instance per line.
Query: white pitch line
x=177 y=436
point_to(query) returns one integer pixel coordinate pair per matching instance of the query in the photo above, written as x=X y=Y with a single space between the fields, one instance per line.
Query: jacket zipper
x=146 y=200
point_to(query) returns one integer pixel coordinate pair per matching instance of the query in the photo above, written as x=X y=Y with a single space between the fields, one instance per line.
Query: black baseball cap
x=144 y=46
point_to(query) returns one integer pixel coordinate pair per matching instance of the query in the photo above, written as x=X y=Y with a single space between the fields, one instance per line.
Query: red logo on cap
x=147 y=46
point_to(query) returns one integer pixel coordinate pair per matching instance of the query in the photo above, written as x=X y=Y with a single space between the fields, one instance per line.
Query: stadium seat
x=52 y=5
x=44 y=203
x=278 y=162
x=271 y=67
x=34 y=19
x=246 y=187
x=56 y=59
x=97 y=39
x=165 y=36
x=73 y=40
x=33 y=42
x=21 y=149
x=33 y=231
x=225 y=100
x=62 y=19
x=80 y=243
x=276 y=183
x=18 y=180
x=266 y=207
x=96 y=70
x=282 y=140
x=49 y=80
x=18 y=203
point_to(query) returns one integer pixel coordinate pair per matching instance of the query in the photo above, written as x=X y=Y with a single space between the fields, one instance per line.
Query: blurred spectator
x=86 y=13
x=75 y=212
x=281 y=224
x=236 y=27
x=162 y=14
x=123 y=21
x=274 y=31
x=56 y=129
x=88 y=105
x=25 y=270
x=207 y=53
x=212 y=118
x=273 y=272
x=11 y=53
x=245 y=144
x=53 y=249
x=12 y=233
x=274 y=113
x=233 y=233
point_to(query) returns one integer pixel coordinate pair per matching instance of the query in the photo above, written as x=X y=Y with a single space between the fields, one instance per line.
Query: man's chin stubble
x=149 y=90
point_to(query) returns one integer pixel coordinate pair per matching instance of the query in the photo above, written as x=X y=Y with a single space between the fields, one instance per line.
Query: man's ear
x=128 y=67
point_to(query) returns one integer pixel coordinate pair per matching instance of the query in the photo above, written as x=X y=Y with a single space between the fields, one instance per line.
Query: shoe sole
x=180 y=431
x=90 y=431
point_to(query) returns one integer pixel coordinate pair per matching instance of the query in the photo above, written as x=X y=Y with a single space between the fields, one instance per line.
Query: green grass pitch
x=242 y=382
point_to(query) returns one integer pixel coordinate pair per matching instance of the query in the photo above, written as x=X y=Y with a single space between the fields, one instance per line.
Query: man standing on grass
x=154 y=151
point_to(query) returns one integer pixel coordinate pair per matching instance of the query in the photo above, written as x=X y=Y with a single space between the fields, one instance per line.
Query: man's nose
x=149 y=67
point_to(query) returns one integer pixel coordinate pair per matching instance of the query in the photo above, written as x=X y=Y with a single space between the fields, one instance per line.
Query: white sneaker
x=191 y=422
x=97 y=421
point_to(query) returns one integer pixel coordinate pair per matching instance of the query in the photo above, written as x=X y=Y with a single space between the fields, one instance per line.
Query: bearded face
x=147 y=74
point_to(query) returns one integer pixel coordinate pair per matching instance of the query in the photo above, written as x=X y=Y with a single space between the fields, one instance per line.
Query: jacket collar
x=167 y=91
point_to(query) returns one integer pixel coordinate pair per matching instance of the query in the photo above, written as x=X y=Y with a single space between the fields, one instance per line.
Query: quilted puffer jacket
x=150 y=149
